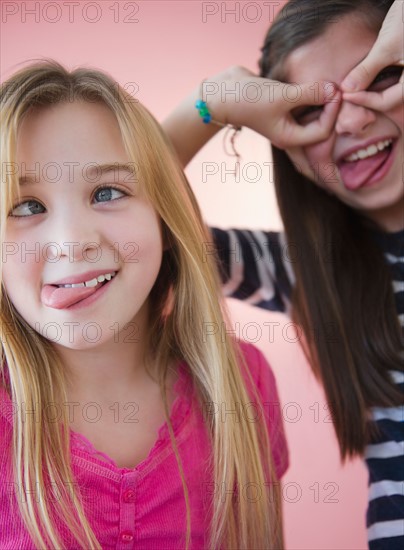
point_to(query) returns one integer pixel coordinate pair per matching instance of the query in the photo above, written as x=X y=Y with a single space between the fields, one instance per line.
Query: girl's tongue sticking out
x=366 y=166
x=64 y=296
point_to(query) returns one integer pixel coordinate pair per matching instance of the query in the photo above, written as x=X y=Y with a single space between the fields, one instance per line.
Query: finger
x=387 y=50
x=317 y=130
x=363 y=74
x=378 y=101
x=311 y=93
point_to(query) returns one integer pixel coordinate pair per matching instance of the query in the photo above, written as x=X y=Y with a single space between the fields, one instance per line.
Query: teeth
x=92 y=282
x=368 y=151
x=372 y=149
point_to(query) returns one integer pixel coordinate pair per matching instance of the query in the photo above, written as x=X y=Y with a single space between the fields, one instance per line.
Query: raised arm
x=186 y=130
x=252 y=263
x=228 y=96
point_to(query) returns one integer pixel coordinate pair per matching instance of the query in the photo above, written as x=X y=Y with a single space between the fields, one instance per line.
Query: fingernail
x=349 y=85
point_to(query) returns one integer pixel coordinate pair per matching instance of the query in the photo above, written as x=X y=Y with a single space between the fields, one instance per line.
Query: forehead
x=74 y=117
x=331 y=55
x=69 y=132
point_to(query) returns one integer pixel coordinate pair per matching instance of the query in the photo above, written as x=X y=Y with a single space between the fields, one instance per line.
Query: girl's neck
x=111 y=369
x=106 y=374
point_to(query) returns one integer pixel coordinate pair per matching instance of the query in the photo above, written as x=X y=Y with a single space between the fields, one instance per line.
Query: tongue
x=355 y=174
x=60 y=298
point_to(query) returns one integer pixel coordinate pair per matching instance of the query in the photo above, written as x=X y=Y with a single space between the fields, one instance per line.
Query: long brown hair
x=343 y=296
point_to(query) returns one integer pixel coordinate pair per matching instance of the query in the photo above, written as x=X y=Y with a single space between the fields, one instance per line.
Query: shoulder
x=6 y=411
x=259 y=369
x=7 y=407
x=6 y=431
x=6 y=404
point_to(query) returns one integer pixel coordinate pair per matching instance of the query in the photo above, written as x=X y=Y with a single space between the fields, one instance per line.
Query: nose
x=354 y=119
x=74 y=237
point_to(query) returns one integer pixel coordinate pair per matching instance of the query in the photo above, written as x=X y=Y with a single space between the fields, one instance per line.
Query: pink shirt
x=144 y=507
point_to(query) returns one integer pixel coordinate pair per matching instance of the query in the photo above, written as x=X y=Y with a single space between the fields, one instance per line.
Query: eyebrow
x=91 y=172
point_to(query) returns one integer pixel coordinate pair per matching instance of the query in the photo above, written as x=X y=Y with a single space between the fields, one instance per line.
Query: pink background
x=163 y=55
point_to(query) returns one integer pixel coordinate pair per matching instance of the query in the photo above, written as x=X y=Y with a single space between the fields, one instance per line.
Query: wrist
x=210 y=91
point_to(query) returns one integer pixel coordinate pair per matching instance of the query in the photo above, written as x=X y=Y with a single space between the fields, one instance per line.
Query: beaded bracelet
x=203 y=109
x=206 y=116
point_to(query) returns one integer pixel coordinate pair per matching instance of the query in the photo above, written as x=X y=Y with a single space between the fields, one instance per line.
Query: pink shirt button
x=129 y=495
x=126 y=536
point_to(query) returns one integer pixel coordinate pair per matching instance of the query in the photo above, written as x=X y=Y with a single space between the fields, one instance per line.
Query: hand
x=239 y=97
x=387 y=50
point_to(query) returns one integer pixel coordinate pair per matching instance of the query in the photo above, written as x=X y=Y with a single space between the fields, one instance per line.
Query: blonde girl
x=124 y=419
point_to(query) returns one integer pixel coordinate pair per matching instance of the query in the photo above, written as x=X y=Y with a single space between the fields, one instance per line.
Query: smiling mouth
x=65 y=296
x=366 y=166
x=369 y=151
x=90 y=283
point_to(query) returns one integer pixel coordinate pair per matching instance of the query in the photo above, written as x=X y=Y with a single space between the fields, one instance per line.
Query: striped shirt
x=257 y=267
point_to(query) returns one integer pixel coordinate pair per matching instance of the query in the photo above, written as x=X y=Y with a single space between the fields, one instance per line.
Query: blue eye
x=26 y=209
x=105 y=193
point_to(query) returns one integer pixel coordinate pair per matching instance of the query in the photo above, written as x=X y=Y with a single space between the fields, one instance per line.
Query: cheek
x=21 y=263
x=26 y=248
x=397 y=116
x=141 y=249
x=319 y=154
x=299 y=160
x=22 y=282
x=315 y=161
x=323 y=170
x=139 y=240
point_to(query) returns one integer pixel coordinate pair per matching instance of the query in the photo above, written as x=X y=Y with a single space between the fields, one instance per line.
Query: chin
x=79 y=342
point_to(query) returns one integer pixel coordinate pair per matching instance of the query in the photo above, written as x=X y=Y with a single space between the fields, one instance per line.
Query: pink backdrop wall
x=161 y=50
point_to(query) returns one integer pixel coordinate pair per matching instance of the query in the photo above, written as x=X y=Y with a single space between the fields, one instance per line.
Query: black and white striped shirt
x=256 y=267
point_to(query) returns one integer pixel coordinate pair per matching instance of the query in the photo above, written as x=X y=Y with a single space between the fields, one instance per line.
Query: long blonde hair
x=185 y=296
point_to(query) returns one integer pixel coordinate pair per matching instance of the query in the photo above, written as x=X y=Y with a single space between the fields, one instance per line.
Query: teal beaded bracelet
x=203 y=111
x=206 y=116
